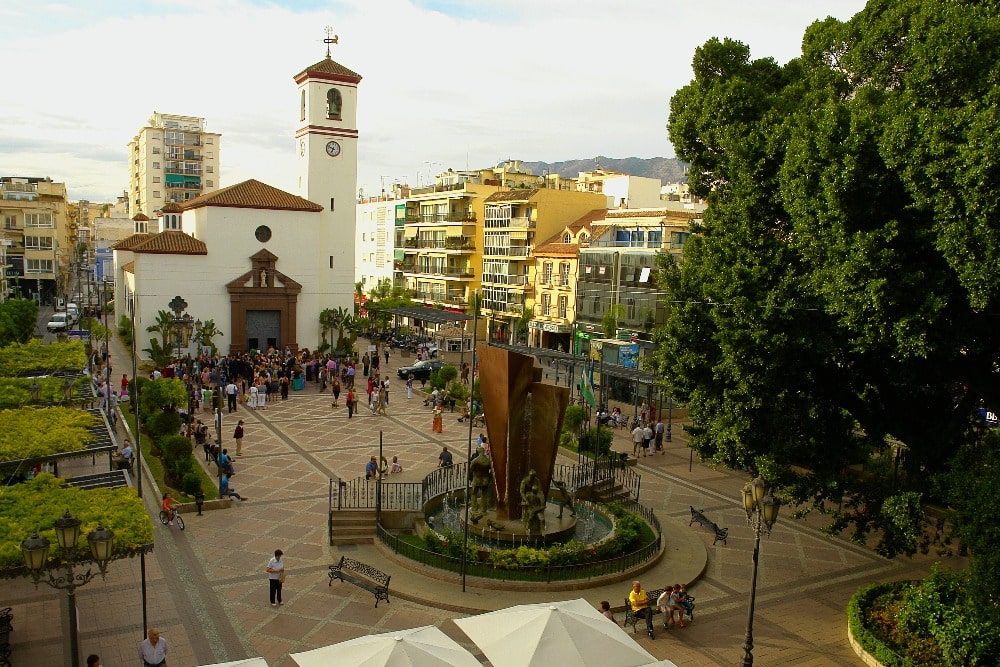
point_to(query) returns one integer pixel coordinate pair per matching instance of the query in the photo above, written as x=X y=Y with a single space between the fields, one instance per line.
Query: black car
x=421 y=370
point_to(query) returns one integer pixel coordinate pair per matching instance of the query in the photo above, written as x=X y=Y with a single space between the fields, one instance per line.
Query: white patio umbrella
x=419 y=647
x=553 y=633
x=246 y=662
x=661 y=663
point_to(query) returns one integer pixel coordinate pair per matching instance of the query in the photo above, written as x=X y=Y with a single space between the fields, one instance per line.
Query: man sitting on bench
x=642 y=606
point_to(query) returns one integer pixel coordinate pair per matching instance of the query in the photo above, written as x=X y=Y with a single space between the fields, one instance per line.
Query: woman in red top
x=125 y=382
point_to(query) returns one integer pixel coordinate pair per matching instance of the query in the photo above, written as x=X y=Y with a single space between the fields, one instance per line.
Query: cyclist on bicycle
x=168 y=505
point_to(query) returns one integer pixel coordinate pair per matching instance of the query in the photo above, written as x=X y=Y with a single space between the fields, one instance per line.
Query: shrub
x=590 y=438
x=447 y=374
x=163 y=424
x=125 y=330
x=190 y=484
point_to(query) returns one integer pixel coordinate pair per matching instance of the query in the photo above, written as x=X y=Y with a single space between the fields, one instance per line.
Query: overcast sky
x=446 y=83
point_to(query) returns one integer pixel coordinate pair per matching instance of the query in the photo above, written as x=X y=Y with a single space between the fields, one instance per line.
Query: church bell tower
x=326 y=144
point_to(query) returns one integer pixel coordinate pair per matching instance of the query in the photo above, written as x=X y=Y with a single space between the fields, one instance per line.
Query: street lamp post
x=35 y=551
x=761 y=508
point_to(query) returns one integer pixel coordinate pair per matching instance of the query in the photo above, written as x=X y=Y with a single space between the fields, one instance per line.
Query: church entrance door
x=263 y=329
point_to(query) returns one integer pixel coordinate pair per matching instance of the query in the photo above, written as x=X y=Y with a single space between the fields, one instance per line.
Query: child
x=606 y=610
x=396 y=468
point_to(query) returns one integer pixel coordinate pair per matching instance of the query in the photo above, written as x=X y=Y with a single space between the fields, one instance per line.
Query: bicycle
x=165 y=519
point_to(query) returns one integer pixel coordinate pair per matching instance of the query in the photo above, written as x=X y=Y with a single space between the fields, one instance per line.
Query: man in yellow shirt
x=641 y=605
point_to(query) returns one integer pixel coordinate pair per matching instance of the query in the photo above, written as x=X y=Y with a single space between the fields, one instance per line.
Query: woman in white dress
x=252 y=403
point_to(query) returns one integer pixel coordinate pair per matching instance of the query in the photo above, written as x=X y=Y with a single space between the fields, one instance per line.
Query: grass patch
x=208 y=485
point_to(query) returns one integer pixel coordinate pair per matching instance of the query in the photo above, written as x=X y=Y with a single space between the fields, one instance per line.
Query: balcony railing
x=183 y=186
x=459 y=243
x=440 y=297
x=513 y=251
x=450 y=272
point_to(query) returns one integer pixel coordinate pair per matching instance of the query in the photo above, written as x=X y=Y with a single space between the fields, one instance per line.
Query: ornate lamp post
x=762 y=511
x=35 y=550
x=35 y=391
x=183 y=323
x=67 y=388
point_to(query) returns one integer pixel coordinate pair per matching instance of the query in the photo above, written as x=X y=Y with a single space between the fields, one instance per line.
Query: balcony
x=459 y=243
x=447 y=272
x=182 y=186
x=522 y=223
x=453 y=298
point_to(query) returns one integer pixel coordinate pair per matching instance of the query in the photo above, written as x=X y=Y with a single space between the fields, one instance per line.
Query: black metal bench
x=698 y=516
x=371 y=579
x=6 y=627
x=632 y=617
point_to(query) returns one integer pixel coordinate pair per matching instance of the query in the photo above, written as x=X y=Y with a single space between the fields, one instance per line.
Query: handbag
x=281 y=577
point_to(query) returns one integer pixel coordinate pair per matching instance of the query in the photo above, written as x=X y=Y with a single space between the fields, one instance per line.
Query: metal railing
x=360 y=493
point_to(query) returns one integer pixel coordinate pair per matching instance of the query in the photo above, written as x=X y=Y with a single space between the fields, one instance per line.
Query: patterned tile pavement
x=208 y=595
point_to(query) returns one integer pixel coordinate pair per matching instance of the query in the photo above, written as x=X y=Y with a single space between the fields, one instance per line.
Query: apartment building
x=556 y=271
x=438 y=243
x=619 y=268
x=375 y=239
x=513 y=220
x=35 y=237
x=172 y=159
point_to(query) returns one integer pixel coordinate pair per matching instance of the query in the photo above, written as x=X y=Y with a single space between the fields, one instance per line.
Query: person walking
x=350 y=400
x=238 y=436
x=153 y=649
x=275 y=577
x=658 y=437
x=336 y=392
x=231 y=393
x=365 y=364
x=637 y=435
x=409 y=385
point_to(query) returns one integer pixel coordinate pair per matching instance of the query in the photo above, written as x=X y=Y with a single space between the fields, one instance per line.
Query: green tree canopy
x=18 y=320
x=842 y=289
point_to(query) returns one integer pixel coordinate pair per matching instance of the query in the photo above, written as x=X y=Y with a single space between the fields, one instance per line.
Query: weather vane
x=330 y=39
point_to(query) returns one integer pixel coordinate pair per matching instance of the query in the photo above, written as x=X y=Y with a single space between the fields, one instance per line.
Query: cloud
x=448 y=82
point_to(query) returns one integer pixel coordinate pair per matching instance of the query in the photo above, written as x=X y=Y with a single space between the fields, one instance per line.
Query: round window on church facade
x=263 y=233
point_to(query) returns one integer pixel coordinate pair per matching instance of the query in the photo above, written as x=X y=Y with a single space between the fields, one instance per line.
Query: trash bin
x=299 y=383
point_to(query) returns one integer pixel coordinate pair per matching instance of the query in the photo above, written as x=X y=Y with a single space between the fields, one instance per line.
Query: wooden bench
x=631 y=617
x=363 y=576
x=698 y=516
x=6 y=627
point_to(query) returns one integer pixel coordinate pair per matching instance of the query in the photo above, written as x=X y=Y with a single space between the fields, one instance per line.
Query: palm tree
x=327 y=324
x=207 y=332
x=164 y=326
x=340 y=317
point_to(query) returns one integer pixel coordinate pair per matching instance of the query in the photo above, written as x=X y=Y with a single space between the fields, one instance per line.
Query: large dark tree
x=843 y=291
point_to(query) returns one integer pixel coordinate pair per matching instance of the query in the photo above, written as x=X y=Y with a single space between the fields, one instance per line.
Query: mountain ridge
x=667 y=169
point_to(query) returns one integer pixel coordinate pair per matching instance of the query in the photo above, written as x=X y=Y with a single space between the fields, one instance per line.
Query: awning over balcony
x=435 y=315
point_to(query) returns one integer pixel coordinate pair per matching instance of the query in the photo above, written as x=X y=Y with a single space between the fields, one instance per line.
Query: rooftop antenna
x=330 y=39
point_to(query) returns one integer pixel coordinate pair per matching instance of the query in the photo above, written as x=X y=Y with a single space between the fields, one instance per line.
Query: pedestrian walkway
x=208 y=594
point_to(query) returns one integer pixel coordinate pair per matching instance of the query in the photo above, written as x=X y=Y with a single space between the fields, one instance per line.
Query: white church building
x=262 y=263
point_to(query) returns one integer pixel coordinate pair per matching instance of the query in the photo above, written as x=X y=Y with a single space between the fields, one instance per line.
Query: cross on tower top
x=330 y=39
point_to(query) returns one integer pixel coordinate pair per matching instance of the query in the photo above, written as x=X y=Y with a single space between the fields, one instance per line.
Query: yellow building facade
x=35 y=237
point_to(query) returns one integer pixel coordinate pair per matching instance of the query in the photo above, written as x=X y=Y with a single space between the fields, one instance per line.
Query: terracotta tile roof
x=557 y=250
x=554 y=244
x=130 y=242
x=513 y=195
x=171 y=207
x=141 y=217
x=252 y=194
x=329 y=67
x=129 y=268
x=172 y=242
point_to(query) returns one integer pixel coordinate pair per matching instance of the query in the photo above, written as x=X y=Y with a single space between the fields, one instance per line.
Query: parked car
x=421 y=370
x=60 y=322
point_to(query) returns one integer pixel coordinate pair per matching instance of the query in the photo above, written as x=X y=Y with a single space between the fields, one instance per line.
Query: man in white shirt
x=153 y=650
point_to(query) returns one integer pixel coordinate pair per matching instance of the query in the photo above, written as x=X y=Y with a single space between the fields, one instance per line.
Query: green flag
x=586 y=391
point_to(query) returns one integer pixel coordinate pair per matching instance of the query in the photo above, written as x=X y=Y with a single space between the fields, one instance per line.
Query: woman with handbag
x=275 y=577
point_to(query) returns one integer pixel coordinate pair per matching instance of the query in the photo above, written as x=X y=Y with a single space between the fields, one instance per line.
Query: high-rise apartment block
x=172 y=159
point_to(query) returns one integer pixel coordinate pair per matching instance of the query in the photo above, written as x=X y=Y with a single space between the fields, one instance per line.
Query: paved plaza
x=208 y=595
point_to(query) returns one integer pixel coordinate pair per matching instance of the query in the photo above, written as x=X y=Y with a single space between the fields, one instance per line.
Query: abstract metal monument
x=523 y=419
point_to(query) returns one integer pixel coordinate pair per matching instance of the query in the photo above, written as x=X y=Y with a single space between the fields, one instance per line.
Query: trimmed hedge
x=37 y=358
x=37 y=432
x=857 y=611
